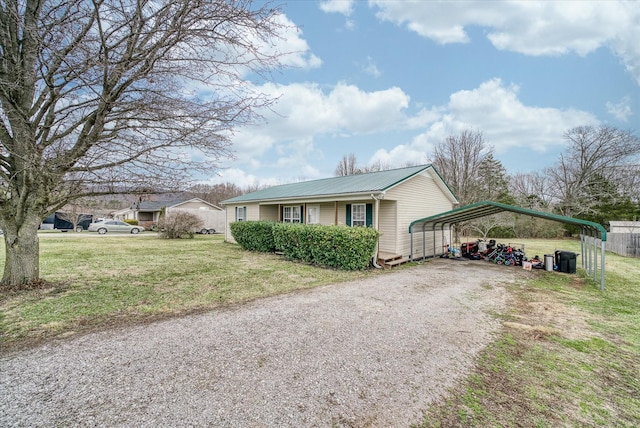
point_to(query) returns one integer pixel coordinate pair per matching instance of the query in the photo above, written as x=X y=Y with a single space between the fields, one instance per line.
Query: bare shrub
x=179 y=225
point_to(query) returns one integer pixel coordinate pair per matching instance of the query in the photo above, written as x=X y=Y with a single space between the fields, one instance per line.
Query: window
x=291 y=214
x=241 y=213
x=358 y=215
x=313 y=214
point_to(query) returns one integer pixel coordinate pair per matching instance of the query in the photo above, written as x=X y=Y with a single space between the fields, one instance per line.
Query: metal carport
x=590 y=232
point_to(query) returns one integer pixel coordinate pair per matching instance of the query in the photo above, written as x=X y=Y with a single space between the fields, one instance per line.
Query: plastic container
x=548 y=262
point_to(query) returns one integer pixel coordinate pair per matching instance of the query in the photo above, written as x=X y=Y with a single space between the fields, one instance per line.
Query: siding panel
x=417 y=198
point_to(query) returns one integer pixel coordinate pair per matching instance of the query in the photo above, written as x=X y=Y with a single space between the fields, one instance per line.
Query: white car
x=105 y=226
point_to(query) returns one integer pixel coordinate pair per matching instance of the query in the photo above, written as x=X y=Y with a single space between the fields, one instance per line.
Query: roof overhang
x=485 y=208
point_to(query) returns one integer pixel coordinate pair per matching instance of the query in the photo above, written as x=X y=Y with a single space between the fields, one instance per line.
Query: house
x=386 y=200
x=148 y=212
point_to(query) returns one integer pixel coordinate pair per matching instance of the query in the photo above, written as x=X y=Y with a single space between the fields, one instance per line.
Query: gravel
x=374 y=352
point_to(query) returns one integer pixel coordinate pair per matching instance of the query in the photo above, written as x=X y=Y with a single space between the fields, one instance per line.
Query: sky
x=389 y=80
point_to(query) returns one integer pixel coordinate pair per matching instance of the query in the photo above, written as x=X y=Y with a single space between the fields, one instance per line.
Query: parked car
x=105 y=226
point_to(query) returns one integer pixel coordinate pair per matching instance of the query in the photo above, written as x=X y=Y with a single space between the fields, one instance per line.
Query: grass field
x=568 y=354
x=104 y=280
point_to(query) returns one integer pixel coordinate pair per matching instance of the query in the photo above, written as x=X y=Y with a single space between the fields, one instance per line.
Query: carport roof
x=485 y=208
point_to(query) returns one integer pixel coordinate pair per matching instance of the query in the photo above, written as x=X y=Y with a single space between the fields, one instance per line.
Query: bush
x=254 y=235
x=131 y=221
x=341 y=247
x=179 y=225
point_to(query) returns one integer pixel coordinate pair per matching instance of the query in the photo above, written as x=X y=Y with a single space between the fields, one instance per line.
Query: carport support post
x=433 y=229
x=411 y=240
x=582 y=249
x=589 y=255
x=602 y=249
x=595 y=258
x=424 y=243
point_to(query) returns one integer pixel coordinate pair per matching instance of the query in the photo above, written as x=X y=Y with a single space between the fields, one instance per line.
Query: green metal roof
x=344 y=185
x=485 y=208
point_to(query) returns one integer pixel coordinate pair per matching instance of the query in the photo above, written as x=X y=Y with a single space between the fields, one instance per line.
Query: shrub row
x=254 y=235
x=341 y=247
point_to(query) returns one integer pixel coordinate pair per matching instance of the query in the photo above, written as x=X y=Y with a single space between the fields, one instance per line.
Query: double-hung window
x=241 y=213
x=291 y=214
x=358 y=215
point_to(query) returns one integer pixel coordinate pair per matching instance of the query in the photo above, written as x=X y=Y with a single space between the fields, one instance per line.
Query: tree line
x=596 y=178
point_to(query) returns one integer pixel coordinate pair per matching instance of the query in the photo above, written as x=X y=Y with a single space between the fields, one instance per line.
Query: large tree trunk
x=22 y=260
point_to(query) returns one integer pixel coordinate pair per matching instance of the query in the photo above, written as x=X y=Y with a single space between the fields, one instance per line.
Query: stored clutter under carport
x=591 y=234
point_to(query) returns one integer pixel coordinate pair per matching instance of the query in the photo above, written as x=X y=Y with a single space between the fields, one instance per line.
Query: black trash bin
x=566 y=261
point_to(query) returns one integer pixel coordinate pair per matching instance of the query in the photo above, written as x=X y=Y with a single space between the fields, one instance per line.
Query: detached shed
x=592 y=235
x=624 y=238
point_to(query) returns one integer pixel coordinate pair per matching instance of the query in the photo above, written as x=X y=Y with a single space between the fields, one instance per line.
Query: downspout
x=376 y=227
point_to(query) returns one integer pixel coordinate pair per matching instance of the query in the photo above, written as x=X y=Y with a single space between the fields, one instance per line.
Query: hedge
x=341 y=247
x=254 y=235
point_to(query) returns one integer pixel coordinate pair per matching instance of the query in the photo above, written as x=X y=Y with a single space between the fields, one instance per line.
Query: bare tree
x=215 y=193
x=118 y=96
x=468 y=167
x=484 y=225
x=595 y=155
x=532 y=190
x=347 y=166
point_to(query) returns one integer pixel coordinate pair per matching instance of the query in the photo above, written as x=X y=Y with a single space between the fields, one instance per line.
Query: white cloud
x=238 y=177
x=494 y=109
x=305 y=112
x=371 y=68
x=344 y=7
x=295 y=49
x=621 y=110
x=528 y=27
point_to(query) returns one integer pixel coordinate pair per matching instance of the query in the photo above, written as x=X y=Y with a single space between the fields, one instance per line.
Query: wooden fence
x=625 y=244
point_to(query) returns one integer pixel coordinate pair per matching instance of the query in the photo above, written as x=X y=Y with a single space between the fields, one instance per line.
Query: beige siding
x=269 y=212
x=211 y=218
x=387 y=226
x=253 y=213
x=195 y=205
x=417 y=198
x=327 y=213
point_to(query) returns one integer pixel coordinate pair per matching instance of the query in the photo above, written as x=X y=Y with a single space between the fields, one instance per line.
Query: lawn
x=98 y=281
x=568 y=353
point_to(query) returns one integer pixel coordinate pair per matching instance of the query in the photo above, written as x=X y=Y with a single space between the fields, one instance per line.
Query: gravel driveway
x=373 y=352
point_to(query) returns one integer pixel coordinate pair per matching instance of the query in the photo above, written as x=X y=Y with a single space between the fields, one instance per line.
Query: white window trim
x=243 y=216
x=293 y=209
x=360 y=222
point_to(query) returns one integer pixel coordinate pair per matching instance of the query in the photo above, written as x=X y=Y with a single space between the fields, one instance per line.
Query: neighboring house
x=148 y=212
x=386 y=200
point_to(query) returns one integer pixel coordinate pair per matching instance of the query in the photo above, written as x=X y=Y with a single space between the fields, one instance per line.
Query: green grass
x=101 y=280
x=580 y=367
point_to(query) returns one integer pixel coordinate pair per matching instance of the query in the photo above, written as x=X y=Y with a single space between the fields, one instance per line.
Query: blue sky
x=388 y=80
